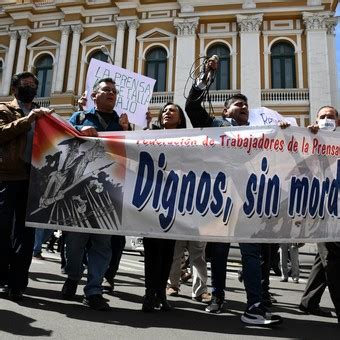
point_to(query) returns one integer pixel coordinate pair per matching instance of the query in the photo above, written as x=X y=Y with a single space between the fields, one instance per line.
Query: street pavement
x=44 y=314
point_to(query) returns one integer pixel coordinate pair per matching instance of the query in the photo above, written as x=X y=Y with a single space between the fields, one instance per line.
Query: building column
x=333 y=79
x=249 y=26
x=298 y=53
x=185 y=55
x=130 y=60
x=65 y=31
x=24 y=35
x=9 y=62
x=317 y=61
x=72 y=72
x=120 y=42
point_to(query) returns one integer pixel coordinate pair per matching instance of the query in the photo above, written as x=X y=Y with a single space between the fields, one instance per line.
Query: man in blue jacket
x=101 y=117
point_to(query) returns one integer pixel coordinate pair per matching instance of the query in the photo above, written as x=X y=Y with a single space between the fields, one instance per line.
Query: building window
x=156 y=62
x=43 y=68
x=222 y=77
x=283 y=66
x=99 y=55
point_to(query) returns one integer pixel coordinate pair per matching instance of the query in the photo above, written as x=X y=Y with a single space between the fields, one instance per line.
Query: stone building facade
x=280 y=54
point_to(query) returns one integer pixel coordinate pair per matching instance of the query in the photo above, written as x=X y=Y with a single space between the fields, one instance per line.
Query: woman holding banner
x=159 y=252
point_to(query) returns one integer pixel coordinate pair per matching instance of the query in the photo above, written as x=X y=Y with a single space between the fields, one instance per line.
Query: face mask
x=327 y=124
x=26 y=94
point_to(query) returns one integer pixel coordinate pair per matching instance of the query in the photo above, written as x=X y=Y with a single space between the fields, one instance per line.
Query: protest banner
x=135 y=90
x=238 y=184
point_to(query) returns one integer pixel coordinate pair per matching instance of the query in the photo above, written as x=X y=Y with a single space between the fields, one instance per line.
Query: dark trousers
x=158 y=260
x=117 y=244
x=218 y=256
x=324 y=272
x=265 y=269
x=16 y=240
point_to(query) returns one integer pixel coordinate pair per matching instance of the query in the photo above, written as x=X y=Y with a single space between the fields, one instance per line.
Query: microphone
x=212 y=72
x=107 y=52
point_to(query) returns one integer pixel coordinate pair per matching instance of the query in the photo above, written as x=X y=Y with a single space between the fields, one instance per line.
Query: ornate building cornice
x=249 y=23
x=133 y=24
x=25 y=34
x=77 y=29
x=315 y=21
x=65 y=30
x=186 y=26
x=120 y=24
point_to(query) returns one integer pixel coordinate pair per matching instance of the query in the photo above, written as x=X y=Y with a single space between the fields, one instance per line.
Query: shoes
x=296 y=280
x=15 y=295
x=240 y=275
x=38 y=257
x=277 y=271
x=186 y=277
x=162 y=303
x=172 y=291
x=108 y=284
x=285 y=279
x=50 y=250
x=149 y=303
x=69 y=289
x=215 y=305
x=259 y=315
x=204 y=297
x=96 y=302
x=315 y=311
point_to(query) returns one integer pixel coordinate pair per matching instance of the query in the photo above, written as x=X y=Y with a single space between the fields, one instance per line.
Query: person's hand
x=38 y=112
x=283 y=125
x=148 y=118
x=124 y=121
x=314 y=128
x=89 y=131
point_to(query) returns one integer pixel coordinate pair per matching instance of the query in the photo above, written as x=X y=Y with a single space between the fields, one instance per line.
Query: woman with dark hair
x=159 y=252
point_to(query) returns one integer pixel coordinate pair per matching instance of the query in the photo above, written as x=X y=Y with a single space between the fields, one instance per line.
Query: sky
x=337 y=42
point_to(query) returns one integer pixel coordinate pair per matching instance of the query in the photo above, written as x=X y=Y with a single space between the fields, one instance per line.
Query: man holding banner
x=17 y=120
x=327 y=261
x=235 y=113
x=101 y=117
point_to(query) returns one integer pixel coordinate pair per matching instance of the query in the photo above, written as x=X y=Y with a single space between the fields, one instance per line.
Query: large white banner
x=218 y=184
x=135 y=90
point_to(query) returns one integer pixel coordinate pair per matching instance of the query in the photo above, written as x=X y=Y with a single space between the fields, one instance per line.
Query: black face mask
x=26 y=94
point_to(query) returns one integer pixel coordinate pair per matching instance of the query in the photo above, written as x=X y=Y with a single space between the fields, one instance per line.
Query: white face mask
x=327 y=124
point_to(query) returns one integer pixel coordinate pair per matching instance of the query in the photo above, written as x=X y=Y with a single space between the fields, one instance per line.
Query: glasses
x=108 y=90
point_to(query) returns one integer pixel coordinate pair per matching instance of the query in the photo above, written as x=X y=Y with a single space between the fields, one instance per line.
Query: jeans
x=251 y=263
x=99 y=256
x=16 y=240
x=117 y=245
x=41 y=236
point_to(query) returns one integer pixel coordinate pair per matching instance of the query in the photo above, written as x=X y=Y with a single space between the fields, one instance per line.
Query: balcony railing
x=160 y=98
x=43 y=101
x=218 y=97
x=285 y=96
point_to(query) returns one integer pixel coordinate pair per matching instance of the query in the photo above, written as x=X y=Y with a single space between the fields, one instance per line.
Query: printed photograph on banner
x=75 y=182
x=134 y=90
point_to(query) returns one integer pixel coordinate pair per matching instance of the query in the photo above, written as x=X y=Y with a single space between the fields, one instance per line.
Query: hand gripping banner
x=237 y=184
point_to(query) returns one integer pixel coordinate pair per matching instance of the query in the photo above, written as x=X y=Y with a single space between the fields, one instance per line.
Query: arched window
x=43 y=67
x=222 y=78
x=99 y=55
x=283 y=66
x=156 y=60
